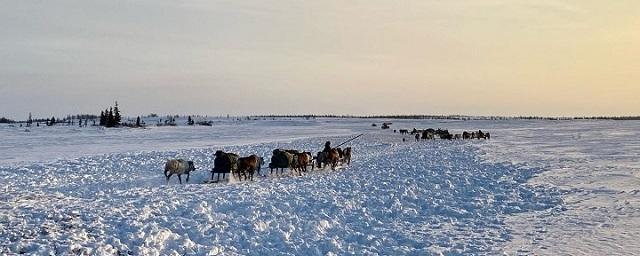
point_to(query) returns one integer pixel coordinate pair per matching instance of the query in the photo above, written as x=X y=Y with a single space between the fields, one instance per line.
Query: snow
x=62 y=142
x=538 y=187
x=596 y=165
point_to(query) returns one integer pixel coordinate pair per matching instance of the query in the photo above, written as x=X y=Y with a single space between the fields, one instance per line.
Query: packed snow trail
x=432 y=197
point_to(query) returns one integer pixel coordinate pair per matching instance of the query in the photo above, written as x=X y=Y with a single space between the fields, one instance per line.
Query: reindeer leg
x=168 y=176
x=188 y=174
x=179 y=178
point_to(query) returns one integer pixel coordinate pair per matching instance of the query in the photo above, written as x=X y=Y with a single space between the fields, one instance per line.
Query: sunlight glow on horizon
x=481 y=57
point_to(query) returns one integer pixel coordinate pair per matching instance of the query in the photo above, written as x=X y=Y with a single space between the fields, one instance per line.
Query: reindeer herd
x=245 y=168
x=431 y=134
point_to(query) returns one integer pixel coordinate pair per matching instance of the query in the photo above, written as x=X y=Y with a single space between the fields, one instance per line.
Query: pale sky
x=475 y=57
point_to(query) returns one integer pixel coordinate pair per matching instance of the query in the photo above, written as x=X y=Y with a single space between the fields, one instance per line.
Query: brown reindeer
x=247 y=166
x=333 y=157
x=312 y=160
x=303 y=161
x=347 y=156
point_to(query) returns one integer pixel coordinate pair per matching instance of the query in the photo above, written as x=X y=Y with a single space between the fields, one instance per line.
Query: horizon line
x=376 y=116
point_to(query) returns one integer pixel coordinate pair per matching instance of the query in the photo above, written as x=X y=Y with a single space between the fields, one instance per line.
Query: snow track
x=395 y=198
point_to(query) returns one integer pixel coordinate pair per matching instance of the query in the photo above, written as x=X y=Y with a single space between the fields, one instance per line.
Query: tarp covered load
x=282 y=159
x=225 y=162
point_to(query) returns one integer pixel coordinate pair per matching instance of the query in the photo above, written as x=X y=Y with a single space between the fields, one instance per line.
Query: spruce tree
x=103 y=119
x=116 y=115
x=29 y=121
x=138 y=122
x=110 y=119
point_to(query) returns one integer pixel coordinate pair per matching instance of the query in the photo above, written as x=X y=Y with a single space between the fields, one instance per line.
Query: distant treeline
x=454 y=117
x=4 y=120
x=68 y=119
x=114 y=120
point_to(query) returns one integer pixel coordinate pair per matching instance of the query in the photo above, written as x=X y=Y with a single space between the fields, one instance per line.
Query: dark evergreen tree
x=116 y=115
x=138 y=122
x=103 y=118
x=110 y=120
x=29 y=121
x=106 y=117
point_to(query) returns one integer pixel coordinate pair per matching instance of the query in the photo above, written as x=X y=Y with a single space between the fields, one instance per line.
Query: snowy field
x=536 y=188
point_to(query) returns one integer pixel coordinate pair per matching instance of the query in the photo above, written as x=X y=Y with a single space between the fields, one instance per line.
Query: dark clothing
x=327 y=147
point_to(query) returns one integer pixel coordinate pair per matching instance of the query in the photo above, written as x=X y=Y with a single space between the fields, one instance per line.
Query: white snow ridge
x=397 y=198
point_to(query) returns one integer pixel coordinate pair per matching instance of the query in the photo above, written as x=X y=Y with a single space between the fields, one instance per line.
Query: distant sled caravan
x=224 y=163
x=179 y=167
x=431 y=134
x=476 y=135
